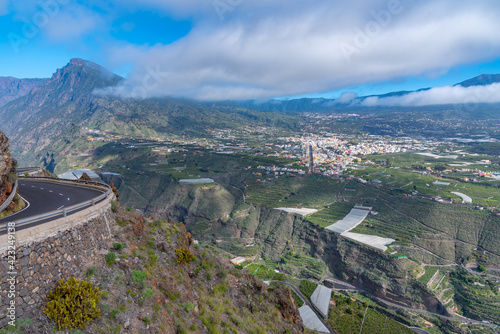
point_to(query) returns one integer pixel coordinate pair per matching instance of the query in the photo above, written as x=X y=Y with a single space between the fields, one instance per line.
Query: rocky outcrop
x=5 y=168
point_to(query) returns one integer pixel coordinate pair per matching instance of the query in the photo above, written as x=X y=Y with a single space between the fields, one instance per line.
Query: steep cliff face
x=213 y=213
x=5 y=167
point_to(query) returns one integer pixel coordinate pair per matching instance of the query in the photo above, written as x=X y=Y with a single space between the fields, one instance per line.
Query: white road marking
x=50 y=191
x=27 y=206
x=41 y=188
x=32 y=186
x=68 y=198
x=23 y=184
x=60 y=194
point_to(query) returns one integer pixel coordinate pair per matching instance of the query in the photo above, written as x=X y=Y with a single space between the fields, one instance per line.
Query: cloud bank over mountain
x=296 y=47
x=241 y=49
x=437 y=96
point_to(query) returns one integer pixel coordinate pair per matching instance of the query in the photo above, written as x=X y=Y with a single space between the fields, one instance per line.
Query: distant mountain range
x=45 y=118
x=47 y=122
x=481 y=80
x=323 y=104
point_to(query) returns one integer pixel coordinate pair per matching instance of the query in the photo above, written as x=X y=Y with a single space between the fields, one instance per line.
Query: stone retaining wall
x=54 y=227
x=39 y=264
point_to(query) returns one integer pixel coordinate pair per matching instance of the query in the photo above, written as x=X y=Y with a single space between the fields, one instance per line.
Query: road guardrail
x=9 y=199
x=28 y=170
x=64 y=212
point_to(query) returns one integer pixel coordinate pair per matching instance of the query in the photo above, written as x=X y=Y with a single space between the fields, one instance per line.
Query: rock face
x=5 y=167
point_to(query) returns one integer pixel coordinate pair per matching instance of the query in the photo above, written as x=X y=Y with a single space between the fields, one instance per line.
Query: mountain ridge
x=51 y=119
x=13 y=88
x=325 y=104
x=480 y=80
x=48 y=123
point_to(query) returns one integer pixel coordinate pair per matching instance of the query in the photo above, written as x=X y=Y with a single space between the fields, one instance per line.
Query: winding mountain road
x=43 y=197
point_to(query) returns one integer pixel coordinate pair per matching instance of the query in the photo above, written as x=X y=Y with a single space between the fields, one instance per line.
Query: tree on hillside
x=440 y=167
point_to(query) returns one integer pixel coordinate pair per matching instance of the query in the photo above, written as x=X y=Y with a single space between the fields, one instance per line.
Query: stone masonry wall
x=40 y=264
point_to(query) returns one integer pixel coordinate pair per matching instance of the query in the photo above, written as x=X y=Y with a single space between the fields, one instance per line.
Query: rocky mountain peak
x=86 y=73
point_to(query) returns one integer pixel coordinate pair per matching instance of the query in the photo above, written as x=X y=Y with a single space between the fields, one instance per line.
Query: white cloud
x=347 y=97
x=439 y=95
x=72 y=25
x=262 y=49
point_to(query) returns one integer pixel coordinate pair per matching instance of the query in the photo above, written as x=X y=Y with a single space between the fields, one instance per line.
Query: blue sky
x=242 y=49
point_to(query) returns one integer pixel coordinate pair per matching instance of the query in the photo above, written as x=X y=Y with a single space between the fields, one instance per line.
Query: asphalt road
x=338 y=284
x=44 y=197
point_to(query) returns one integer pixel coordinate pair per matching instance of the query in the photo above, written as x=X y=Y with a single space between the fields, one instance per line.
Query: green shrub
x=184 y=255
x=138 y=276
x=73 y=304
x=148 y=293
x=114 y=206
x=118 y=246
x=110 y=258
x=279 y=277
x=90 y=272
x=219 y=289
x=114 y=313
x=122 y=223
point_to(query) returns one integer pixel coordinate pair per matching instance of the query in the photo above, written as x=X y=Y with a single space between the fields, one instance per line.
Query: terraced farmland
x=347 y=318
